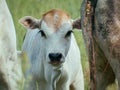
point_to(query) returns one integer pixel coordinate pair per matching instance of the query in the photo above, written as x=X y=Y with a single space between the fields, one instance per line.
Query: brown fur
x=55 y=17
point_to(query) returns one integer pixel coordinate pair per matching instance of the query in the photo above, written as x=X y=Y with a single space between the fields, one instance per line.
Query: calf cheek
x=66 y=47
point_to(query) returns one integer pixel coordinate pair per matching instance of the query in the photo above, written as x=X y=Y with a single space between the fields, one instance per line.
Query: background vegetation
x=21 y=8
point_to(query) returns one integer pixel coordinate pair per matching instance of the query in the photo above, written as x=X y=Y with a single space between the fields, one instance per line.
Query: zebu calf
x=52 y=52
x=10 y=67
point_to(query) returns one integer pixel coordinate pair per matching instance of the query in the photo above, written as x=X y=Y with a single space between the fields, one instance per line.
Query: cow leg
x=116 y=68
x=114 y=59
x=104 y=73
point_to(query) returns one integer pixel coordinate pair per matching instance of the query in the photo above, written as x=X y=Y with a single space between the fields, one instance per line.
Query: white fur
x=9 y=64
x=50 y=77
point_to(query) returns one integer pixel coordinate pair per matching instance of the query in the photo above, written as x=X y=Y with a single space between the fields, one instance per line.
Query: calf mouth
x=55 y=63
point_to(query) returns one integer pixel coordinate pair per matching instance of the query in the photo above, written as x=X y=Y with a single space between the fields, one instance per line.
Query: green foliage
x=35 y=8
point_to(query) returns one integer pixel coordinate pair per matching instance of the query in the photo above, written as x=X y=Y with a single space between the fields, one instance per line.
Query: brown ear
x=77 y=24
x=29 y=22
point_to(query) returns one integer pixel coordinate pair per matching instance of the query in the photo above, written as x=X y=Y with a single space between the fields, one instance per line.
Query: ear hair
x=30 y=22
x=77 y=23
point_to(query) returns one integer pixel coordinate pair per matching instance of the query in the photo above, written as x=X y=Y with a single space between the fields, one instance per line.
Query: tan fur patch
x=55 y=17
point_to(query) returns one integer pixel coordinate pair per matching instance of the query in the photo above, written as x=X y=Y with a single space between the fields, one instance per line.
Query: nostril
x=59 y=55
x=55 y=56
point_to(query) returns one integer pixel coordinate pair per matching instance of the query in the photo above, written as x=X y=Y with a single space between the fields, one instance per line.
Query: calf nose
x=55 y=56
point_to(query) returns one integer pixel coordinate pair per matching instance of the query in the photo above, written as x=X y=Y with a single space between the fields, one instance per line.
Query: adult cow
x=52 y=52
x=100 y=22
x=10 y=67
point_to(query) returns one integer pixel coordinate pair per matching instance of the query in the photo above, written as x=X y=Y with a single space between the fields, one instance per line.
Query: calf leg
x=30 y=85
x=78 y=83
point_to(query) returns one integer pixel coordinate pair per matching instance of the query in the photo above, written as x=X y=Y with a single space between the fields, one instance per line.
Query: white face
x=55 y=28
x=56 y=42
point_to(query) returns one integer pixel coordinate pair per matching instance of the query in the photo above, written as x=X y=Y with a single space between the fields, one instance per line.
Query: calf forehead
x=55 y=18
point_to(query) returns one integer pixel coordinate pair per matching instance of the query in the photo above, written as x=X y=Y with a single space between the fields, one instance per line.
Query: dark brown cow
x=100 y=23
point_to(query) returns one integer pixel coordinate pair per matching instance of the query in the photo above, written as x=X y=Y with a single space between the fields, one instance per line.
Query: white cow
x=10 y=68
x=52 y=52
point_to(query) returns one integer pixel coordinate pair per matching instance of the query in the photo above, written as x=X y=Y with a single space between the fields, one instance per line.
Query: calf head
x=55 y=28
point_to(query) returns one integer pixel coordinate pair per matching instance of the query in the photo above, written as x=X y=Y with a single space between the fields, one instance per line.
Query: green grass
x=21 y=8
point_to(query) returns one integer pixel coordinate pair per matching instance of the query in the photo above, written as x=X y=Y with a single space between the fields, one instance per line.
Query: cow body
x=10 y=67
x=53 y=53
x=106 y=39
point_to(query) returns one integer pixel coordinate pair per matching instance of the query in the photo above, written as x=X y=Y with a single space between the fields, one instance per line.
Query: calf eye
x=42 y=33
x=68 y=33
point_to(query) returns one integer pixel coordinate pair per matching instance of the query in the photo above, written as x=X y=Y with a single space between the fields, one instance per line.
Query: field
x=21 y=8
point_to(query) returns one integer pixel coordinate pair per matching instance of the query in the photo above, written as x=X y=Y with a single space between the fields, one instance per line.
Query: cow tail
x=90 y=28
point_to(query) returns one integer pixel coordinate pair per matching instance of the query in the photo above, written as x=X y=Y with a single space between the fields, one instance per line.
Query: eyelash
x=68 y=33
x=42 y=33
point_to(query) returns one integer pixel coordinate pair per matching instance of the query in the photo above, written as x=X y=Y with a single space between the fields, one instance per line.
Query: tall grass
x=36 y=8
